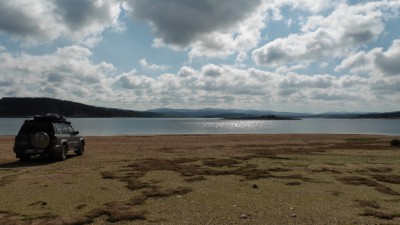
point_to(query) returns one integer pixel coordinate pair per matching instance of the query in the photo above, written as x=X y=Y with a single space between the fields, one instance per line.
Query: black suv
x=48 y=135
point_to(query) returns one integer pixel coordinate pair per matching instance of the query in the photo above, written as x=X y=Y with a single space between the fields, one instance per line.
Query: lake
x=139 y=126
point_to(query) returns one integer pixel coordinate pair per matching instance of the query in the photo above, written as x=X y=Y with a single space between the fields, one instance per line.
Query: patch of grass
x=220 y=162
x=380 y=169
x=291 y=176
x=38 y=203
x=108 y=175
x=293 y=183
x=7 y=179
x=81 y=206
x=159 y=193
x=195 y=178
x=251 y=174
x=197 y=170
x=361 y=139
x=161 y=164
x=370 y=204
x=135 y=184
x=73 y=221
x=357 y=181
x=336 y=193
x=393 y=179
x=274 y=157
x=279 y=169
x=380 y=215
x=138 y=200
x=116 y=212
x=359 y=146
x=46 y=217
x=324 y=169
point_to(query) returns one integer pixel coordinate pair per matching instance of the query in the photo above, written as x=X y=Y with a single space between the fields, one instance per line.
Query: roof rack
x=49 y=117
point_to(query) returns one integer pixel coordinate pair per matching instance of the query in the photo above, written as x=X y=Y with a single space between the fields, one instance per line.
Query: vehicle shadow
x=34 y=162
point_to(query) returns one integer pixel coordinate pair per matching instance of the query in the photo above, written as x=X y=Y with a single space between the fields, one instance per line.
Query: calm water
x=135 y=126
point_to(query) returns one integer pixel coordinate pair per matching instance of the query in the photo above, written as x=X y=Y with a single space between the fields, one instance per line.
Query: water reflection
x=239 y=125
x=135 y=126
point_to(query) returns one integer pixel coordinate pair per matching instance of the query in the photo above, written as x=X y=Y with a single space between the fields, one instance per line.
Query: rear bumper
x=34 y=151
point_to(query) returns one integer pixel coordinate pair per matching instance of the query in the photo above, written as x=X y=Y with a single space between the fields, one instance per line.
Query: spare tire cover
x=40 y=140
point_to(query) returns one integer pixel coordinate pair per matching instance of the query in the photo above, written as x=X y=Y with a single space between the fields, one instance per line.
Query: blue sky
x=302 y=56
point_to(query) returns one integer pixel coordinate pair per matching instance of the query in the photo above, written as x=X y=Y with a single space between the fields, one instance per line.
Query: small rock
x=291 y=208
x=244 y=217
x=293 y=215
x=254 y=186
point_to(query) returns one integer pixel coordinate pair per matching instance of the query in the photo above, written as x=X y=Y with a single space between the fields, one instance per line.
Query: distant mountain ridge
x=23 y=107
x=222 y=113
x=240 y=113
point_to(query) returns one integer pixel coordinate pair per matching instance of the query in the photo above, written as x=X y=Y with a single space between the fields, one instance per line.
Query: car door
x=66 y=135
x=74 y=142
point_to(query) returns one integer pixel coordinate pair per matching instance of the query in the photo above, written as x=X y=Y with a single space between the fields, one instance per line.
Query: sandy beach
x=207 y=179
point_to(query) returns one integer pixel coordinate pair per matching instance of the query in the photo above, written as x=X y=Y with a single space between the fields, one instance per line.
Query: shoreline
x=195 y=179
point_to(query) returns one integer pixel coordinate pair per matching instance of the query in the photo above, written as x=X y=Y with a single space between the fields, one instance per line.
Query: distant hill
x=222 y=113
x=342 y=115
x=23 y=107
x=240 y=113
x=386 y=115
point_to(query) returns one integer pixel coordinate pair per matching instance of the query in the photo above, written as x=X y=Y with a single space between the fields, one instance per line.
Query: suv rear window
x=32 y=127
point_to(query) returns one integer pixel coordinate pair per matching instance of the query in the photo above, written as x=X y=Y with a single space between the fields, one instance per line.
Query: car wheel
x=61 y=155
x=25 y=158
x=40 y=140
x=80 y=150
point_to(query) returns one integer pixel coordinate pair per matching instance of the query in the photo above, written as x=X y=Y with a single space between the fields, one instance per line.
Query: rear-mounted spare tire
x=40 y=140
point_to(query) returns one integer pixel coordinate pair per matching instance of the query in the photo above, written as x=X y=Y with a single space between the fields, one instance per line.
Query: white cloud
x=376 y=62
x=41 y=21
x=145 y=65
x=345 y=29
x=228 y=86
x=66 y=73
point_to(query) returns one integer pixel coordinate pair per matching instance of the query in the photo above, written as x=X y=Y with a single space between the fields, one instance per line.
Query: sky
x=282 y=55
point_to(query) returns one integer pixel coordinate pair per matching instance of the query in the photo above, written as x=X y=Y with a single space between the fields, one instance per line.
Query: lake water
x=139 y=126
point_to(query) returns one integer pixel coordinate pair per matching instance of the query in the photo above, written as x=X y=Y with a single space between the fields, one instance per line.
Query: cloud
x=376 y=62
x=231 y=87
x=388 y=62
x=40 y=21
x=66 y=73
x=347 y=27
x=145 y=65
x=180 y=22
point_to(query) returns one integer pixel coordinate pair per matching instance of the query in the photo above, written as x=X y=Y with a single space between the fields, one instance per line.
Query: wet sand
x=207 y=179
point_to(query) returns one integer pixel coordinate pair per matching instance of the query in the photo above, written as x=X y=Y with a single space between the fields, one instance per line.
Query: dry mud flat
x=207 y=179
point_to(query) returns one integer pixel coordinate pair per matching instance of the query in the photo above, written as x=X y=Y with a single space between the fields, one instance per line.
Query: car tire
x=80 y=150
x=61 y=154
x=40 y=140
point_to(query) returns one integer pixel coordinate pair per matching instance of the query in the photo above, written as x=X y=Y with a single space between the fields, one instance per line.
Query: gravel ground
x=207 y=179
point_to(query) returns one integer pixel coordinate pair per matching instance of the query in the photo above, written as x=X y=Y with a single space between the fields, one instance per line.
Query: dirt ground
x=207 y=179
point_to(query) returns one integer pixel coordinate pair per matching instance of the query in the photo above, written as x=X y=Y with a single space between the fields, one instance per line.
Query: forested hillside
x=21 y=107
